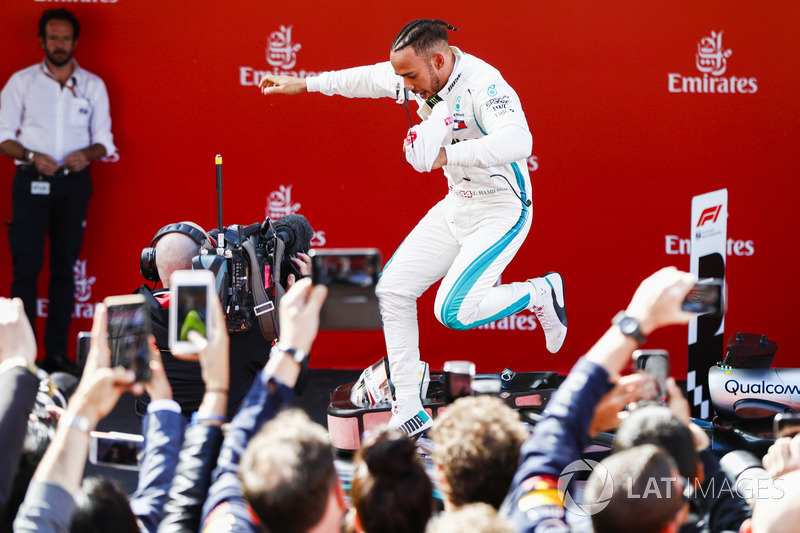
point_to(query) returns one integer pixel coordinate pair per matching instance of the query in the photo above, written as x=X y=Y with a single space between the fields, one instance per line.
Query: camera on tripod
x=251 y=265
x=248 y=264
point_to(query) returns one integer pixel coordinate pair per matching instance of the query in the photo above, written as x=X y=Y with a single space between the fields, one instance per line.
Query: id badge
x=80 y=112
x=41 y=188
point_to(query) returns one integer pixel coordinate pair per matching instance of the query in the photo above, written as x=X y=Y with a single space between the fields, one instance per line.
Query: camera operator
x=173 y=248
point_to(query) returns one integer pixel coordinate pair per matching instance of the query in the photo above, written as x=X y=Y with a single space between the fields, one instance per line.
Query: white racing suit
x=473 y=233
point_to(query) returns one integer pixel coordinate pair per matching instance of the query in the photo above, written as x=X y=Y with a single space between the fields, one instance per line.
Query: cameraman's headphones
x=147 y=262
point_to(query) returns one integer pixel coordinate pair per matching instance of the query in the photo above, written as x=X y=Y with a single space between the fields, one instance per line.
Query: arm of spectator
x=610 y=413
x=162 y=428
x=561 y=436
x=680 y=408
x=203 y=437
x=18 y=387
x=49 y=504
x=214 y=366
x=655 y=304
x=783 y=456
x=272 y=389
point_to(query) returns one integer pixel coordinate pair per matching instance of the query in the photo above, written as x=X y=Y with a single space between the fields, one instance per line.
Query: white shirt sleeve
x=101 y=115
x=508 y=138
x=372 y=81
x=11 y=106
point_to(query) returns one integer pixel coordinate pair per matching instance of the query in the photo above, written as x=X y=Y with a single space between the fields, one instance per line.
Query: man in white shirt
x=475 y=130
x=54 y=121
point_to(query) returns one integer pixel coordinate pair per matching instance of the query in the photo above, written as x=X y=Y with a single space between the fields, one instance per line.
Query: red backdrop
x=620 y=147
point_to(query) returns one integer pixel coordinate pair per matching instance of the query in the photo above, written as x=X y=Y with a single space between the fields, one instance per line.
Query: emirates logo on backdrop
x=281 y=55
x=280 y=50
x=711 y=57
x=280 y=204
x=711 y=60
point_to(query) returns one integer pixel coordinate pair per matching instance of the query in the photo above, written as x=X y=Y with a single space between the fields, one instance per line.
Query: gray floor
x=314 y=401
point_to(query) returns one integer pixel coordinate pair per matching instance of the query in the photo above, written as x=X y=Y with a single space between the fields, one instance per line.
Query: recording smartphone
x=457 y=377
x=655 y=363
x=786 y=425
x=117 y=450
x=705 y=297
x=351 y=275
x=191 y=296
x=83 y=344
x=128 y=333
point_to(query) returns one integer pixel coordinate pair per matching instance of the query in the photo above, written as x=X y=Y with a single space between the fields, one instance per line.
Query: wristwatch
x=629 y=326
x=299 y=356
x=28 y=154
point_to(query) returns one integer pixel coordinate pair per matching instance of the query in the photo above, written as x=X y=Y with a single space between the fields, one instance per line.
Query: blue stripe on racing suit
x=465 y=282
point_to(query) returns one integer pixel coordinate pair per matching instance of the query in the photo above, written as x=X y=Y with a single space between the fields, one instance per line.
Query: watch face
x=628 y=325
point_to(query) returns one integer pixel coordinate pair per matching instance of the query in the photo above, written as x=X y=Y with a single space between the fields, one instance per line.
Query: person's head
x=475 y=518
x=646 y=494
x=421 y=55
x=477 y=449
x=175 y=249
x=391 y=491
x=658 y=425
x=58 y=35
x=288 y=476
x=102 y=505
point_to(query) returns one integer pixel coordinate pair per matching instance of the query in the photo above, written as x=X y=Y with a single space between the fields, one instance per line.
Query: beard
x=58 y=58
x=436 y=82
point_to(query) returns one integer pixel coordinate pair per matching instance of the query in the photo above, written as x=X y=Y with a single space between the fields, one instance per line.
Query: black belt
x=62 y=172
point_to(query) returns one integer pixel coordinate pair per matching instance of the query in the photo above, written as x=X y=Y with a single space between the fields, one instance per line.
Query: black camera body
x=247 y=264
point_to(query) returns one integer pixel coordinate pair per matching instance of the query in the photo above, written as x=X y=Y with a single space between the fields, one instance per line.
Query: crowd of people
x=272 y=469
x=223 y=450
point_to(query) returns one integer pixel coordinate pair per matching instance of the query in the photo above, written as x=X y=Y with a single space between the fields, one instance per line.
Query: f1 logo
x=710 y=214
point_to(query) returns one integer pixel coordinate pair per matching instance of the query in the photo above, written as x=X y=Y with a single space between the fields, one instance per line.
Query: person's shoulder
x=88 y=76
x=25 y=73
x=478 y=72
x=475 y=63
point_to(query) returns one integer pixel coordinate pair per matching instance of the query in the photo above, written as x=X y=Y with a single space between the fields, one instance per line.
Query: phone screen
x=704 y=297
x=345 y=270
x=128 y=332
x=655 y=363
x=116 y=450
x=192 y=311
x=787 y=425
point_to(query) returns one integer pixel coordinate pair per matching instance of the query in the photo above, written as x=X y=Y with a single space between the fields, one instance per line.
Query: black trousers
x=59 y=215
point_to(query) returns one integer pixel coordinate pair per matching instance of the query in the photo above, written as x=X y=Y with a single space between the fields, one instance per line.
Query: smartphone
x=83 y=345
x=351 y=275
x=786 y=425
x=457 y=377
x=117 y=450
x=128 y=333
x=345 y=267
x=705 y=297
x=655 y=363
x=191 y=295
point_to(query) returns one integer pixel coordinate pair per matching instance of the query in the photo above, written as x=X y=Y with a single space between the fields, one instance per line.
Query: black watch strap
x=629 y=326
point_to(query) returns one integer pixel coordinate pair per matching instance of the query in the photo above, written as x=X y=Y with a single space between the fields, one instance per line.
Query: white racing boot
x=547 y=303
x=408 y=415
